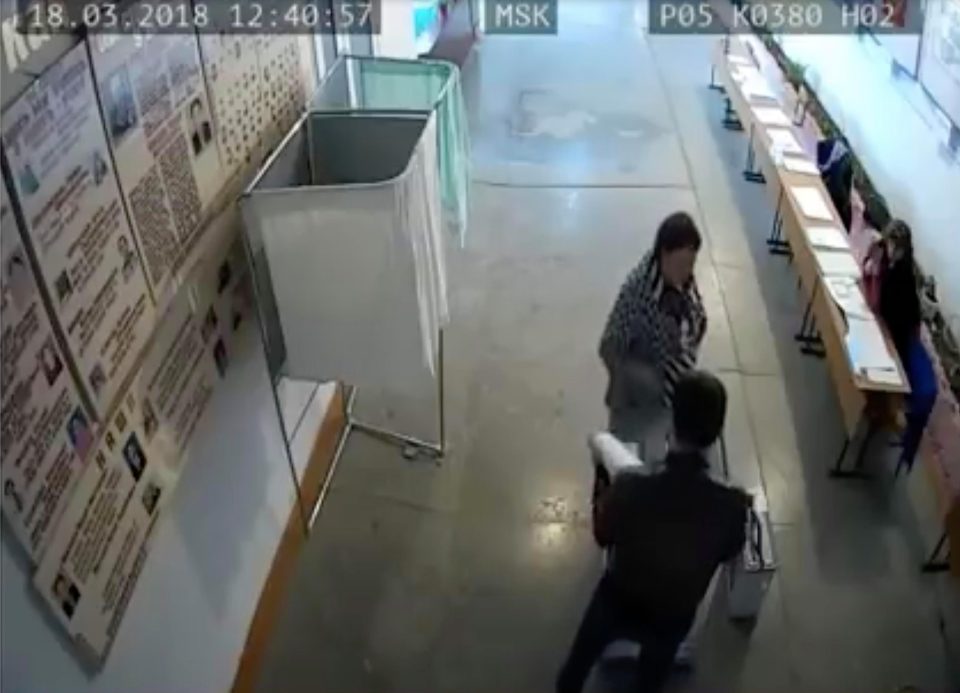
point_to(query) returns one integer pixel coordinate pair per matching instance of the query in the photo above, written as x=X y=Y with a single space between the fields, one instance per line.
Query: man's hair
x=678 y=231
x=699 y=409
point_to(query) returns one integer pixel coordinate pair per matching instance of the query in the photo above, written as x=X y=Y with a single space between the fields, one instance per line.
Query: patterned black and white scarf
x=656 y=323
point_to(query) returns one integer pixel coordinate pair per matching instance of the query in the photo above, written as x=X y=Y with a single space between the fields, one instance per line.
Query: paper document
x=866 y=348
x=811 y=202
x=784 y=141
x=837 y=263
x=747 y=73
x=771 y=116
x=797 y=165
x=883 y=376
x=829 y=237
x=846 y=293
x=758 y=88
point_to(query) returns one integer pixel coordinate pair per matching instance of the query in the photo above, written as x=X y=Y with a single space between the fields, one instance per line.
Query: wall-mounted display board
x=46 y=434
x=56 y=148
x=163 y=138
x=256 y=84
x=91 y=567
x=940 y=59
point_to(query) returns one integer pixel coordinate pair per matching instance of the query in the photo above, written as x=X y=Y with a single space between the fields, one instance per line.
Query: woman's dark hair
x=699 y=409
x=677 y=232
x=898 y=232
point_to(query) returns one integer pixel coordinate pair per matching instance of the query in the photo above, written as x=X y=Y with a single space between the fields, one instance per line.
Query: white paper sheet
x=796 y=164
x=827 y=237
x=883 y=376
x=866 y=347
x=757 y=88
x=811 y=202
x=748 y=73
x=784 y=141
x=771 y=116
x=837 y=263
x=845 y=291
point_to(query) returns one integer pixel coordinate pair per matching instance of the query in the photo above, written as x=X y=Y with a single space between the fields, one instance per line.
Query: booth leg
x=936 y=563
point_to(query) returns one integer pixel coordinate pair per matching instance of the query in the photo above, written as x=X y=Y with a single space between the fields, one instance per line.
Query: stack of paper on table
x=784 y=140
x=811 y=202
x=837 y=263
x=770 y=116
x=868 y=351
x=800 y=165
x=845 y=291
x=828 y=237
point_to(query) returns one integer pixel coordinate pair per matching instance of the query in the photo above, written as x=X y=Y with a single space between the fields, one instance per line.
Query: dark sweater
x=669 y=532
x=900 y=304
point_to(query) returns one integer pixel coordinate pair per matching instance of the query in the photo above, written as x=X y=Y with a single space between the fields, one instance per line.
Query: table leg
x=730 y=119
x=775 y=242
x=855 y=472
x=750 y=171
x=935 y=563
x=714 y=84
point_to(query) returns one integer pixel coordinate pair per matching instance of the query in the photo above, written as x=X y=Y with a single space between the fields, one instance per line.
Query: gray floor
x=472 y=575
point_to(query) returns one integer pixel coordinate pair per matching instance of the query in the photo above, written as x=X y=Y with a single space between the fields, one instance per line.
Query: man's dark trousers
x=609 y=618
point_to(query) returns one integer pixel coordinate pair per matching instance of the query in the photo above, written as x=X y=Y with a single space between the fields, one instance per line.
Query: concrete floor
x=472 y=575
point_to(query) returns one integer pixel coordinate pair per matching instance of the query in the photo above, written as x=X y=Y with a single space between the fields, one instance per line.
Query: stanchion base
x=934 y=567
x=849 y=474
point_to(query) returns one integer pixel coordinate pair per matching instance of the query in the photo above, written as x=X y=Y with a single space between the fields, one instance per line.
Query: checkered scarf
x=656 y=323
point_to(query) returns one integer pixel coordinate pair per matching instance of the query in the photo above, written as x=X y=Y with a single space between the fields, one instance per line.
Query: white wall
x=190 y=613
x=899 y=137
x=396 y=39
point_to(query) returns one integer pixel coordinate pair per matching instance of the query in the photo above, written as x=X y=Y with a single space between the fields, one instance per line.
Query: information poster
x=233 y=75
x=257 y=88
x=46 y=433
x=163 y=138
x=174 y=385
x=282 y=76
x=65 y=183
x=92 y=564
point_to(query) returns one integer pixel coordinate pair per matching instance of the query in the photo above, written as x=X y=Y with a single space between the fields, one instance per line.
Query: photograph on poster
x=76 y=221
x=201 y=132
x=67 y=594
x=150 y=422
x=150 y=497
x=39 y=463
x=19 y=279
x=78 y=430
x=119 y=107
x=50 y=361
x=134 y=457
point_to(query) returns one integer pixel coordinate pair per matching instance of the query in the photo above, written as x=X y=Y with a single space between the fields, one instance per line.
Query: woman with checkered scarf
x=653 y=336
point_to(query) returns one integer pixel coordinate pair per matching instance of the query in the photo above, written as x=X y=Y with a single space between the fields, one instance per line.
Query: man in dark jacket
x=668 y=532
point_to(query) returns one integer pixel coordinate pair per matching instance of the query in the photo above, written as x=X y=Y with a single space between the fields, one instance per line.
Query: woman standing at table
x=653 y=336
x=899 y=306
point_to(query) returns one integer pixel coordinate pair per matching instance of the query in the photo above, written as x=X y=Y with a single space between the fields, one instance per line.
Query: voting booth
x=373 y=86
x=342 y=230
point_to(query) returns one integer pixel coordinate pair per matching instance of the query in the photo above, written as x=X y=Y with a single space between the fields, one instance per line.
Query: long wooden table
x=864 y=404
x=824 y=325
